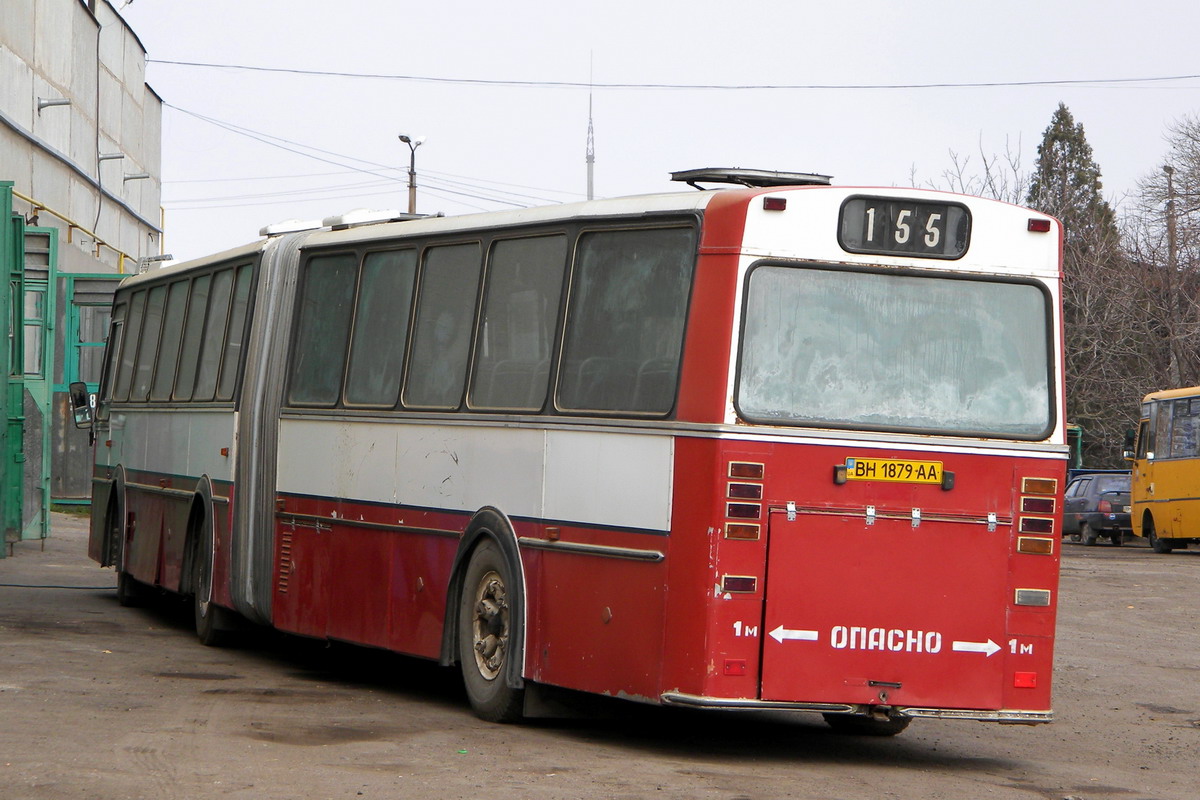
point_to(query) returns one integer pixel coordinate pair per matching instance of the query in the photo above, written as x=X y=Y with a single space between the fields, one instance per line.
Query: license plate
x=894 y=470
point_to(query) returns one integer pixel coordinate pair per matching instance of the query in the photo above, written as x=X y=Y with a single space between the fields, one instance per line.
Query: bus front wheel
x=485 y=643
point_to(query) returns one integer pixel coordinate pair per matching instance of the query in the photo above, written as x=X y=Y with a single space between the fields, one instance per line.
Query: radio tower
x=591 y=140
x=591 y=150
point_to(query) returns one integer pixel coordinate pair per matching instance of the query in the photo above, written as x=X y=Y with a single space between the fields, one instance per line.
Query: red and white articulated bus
x=781 y=446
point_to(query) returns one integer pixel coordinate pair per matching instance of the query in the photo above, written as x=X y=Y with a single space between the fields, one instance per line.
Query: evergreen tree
x=1066 y=183
x=1098 y=308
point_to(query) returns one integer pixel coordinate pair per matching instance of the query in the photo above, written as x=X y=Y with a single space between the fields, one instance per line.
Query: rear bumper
x=1109 y=522
x=1003 y=716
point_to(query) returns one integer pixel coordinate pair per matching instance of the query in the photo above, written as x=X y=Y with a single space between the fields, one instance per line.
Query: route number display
x=895 y=226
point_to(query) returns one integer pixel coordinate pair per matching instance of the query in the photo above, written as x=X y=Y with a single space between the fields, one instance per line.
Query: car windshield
x=932 y=353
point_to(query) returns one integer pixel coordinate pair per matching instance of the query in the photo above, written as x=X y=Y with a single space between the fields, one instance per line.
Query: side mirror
x=83 y=405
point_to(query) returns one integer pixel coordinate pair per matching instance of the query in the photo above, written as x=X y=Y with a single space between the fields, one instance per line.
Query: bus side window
x=168 y=356
x=111 y=354
x=520 y=312
x=148 y=350
x=381 y=328
x=625 y=322
x=446 y=296
x=1143 y=439
x=214 y=336
x=323 y=312
x=1162 y=431
x=231 y=359
x=127 y=358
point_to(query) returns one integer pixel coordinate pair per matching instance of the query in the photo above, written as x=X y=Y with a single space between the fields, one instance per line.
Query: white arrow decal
x=989 y=647
x=781 y=633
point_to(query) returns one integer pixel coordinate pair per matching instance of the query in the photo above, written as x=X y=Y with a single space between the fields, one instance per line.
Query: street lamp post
x=413 y=143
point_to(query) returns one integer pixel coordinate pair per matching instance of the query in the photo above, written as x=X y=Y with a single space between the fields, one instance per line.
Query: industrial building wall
x=80 y=140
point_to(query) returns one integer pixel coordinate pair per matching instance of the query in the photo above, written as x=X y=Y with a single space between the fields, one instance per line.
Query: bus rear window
x=870 y=350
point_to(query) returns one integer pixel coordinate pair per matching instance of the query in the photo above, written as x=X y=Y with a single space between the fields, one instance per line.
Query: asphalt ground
x=103 y=702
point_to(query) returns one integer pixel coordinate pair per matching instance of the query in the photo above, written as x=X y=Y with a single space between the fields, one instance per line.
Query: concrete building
x=80 y=146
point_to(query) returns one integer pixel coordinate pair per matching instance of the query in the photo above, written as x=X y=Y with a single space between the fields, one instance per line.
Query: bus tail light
x=742 y=530
x=1035 y=545
x=1039 y=486
x=774 y=203
x=1039 y=225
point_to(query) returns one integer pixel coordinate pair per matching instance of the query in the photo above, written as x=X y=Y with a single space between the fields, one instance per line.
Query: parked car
x=1097 y=504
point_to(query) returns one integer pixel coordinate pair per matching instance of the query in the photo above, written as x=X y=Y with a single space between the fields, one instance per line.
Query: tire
x=131 y=593
x=855 y=725
x=215 y=626
x=1089 y=536
x=1156 y=544
x=486 y=615
x=114 y=534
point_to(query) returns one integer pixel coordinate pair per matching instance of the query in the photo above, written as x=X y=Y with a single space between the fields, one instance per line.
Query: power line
x=672 y=86
x=291 y=147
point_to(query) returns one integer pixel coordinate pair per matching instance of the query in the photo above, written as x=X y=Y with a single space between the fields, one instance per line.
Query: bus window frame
x=570 y=239
x=396 y=246
x=675 y=222
x=481 y=243
x=573 y=230
x=110 y=373
x=1052 y=376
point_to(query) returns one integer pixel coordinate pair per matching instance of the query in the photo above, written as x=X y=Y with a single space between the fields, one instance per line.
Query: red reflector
x=745 y=470
x=735 y=666
x=1036 y=525
x=746 y=491
x=1025 y=680
x=774 y=203
x=1037 y=505
x=739 y=583
x=1039 y=225
x=743 y=510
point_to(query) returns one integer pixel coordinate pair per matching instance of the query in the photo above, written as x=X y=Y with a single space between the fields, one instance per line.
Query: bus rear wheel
x=857 y=725
x=485 y=643
x=214 y=626
x=131 y=593
x=1156 y=544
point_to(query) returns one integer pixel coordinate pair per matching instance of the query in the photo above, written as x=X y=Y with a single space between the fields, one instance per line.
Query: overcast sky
x=479 y=81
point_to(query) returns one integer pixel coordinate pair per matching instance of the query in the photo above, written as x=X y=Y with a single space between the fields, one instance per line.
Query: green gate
x=12 y=451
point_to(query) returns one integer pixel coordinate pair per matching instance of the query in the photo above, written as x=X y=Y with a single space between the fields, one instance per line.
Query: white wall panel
x=587 y=477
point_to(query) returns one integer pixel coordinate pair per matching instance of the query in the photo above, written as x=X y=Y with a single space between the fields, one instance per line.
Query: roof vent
x=289 y=226
x=367 y=216
x=749 y=177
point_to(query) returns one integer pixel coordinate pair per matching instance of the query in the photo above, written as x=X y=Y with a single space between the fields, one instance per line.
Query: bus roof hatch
x=749 y=177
